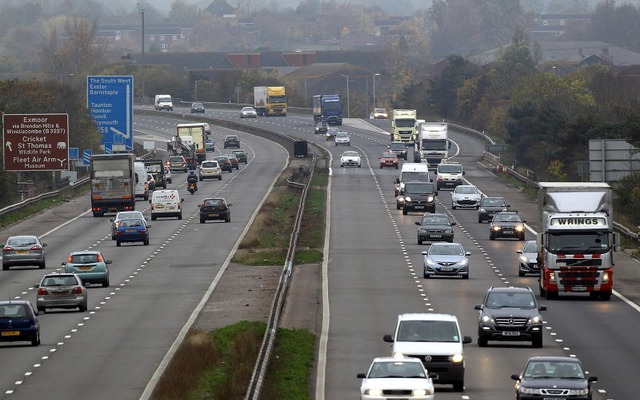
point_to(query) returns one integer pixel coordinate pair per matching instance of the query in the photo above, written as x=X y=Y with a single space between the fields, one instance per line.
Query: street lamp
x=374 y=91
x=348 y=108
x=141 y=9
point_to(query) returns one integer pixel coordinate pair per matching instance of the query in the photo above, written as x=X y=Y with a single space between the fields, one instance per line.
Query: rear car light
x=42 y=292
x=36 y=247
x=7 y=248
x=77 y=290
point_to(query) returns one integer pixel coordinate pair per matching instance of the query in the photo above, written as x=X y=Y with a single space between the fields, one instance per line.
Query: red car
x=389 y=159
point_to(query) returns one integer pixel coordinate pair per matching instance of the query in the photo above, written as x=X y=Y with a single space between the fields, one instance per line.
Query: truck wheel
x=543 y=293
x=551 y=295
x=605 y=296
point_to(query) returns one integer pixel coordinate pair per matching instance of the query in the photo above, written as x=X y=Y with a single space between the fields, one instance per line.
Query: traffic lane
x=368 y=280
x=148 y=317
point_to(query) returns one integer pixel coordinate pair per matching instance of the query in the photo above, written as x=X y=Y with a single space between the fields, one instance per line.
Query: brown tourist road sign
x=35 y=142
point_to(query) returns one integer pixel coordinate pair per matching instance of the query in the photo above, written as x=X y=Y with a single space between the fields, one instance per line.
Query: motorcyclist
x=193 y=178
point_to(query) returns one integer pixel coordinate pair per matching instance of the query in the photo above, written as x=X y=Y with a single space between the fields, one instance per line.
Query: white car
x=209 y=169
x=465 y=196
x=342 y=138
x=350 y=158
x=389 y=376
x=248 y=112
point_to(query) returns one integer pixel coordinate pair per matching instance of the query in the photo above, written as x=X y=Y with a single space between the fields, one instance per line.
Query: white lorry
x=576 y=239
x=403 y=126
x=433 y=142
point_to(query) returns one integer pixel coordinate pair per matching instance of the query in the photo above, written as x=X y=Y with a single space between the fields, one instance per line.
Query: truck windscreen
x=578 y=243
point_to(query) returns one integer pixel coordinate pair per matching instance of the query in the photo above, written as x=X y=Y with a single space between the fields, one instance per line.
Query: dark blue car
x=19 y=322
x=132 y=230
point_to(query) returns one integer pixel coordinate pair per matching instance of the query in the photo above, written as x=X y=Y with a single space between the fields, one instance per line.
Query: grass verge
x=19 y=215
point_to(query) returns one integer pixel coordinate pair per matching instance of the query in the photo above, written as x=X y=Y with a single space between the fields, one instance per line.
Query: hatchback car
x=342 y=138
x=446 y=259
x=248 y=112
x=321 y=127
x=234 y=160
x=214 y=208
x=489 y=206
x=465 y=196
x=396 y=378
x=197 y=108
x=380 y=113
x=389 y=159
x=350 y=159
x=400 y=148
x=435 y=227
x=528 y=260
x=331 y=133
x=241 y=155
x=90 y=265
x=19 y=322
x=132 y=230
x=209 y=169
x=124 y=215
x=510 y=314
x=224 y=163
x=23 y=250
x=151 y=182
x=209 y=145
x=549 y=377
x=61 y=290
x=178 y=163
x=232 y=141
x=507 y=224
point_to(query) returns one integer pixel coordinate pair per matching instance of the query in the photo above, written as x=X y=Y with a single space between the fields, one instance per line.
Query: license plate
x=510 y=333
x=22 y=251
x=85 y=268
x=578 y=289
x=446 y=269
x=11 y=333
x=507 y=231
x=214 y=215
x=436 y=236
x=418 y=207
x=130 y=230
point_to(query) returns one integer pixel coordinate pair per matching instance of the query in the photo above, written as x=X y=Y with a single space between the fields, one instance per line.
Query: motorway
x=112 y=351
x=373 y=272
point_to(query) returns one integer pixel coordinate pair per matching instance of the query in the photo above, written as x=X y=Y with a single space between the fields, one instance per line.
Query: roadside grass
x=19 y=215
x=219 y=365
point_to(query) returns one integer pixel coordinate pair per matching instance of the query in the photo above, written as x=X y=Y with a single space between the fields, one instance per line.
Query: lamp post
x=374 y=91
x=141 y=9
x=348 y=108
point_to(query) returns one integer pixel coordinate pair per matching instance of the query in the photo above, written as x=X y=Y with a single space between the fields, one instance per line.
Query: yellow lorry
x=270 y=101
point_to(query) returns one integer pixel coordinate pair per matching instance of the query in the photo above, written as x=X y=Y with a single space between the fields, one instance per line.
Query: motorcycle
x=192 y=188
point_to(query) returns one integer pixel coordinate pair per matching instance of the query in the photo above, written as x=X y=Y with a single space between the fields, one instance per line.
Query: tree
x=444 y=88
x=183 y=13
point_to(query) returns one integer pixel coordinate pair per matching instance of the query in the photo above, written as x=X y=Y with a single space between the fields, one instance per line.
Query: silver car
x=342 y=138
x=61 y=290
x=124 y=215
x=528 y=260
x=248 y=112
x=23 y=250
x=209 y=169
x=465 y=196
x=446 y=259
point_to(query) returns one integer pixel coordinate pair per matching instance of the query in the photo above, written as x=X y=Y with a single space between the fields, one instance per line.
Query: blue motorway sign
x=86 y=156
x=73 y=154
x=110 y=101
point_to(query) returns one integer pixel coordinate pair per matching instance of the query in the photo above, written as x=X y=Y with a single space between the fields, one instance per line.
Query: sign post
x=35 y=142
x=110 y=101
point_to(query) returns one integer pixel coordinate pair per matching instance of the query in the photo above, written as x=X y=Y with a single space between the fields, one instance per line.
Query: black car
x=241 y=155
x=321 y=127
x=231 y=141
x=400 y=148
x=331 y=133
x=225 y=163
x=19 y=322
x=418 y=196
x=489 y=206
x=214 y=208
x=435 y=227
x=197 y=108
x=510 y=313
x=548 y=377
x=507 y=224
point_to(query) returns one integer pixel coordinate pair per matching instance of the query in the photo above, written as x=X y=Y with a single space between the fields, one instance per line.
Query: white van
x=166 y=203
x=412 y=172
x=436 y=340
x=142 y=189
x=163 y=102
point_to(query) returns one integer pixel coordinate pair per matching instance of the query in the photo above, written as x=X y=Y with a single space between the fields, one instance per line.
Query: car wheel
x=36 y=341
x=228 y=219
x=146 y=196
x=521 y=238
x=118 y=243
x=43 y=265
x=425 y=275
x=397 y=206
x=543 y=292
x=5 y=267
x=482 y=341
x=83 y=307
x=465 y=276
x=491 y=237
x=180 y=216
x=146 y=242
x=537 y=342
x=404 y=211
x=479 y=219
x=458 y=386
x=341 y=165
x=153 y=217
x=202 y=221
x=105 y=283
x=220 y=178
x=453 y=207
x=520 y=273
x=200 y=179
x=419 y=241
x=42 y=310
x=113 y=237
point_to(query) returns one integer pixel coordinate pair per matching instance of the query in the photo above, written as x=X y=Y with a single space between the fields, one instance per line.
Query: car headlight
x=487 y=319
x=524 y=259
x=526 y=390
x=519 y=228
x=373 y=392
x=407 y=198
x=535 y=320
x=496 y=228
x=463 y=262
x=482 y=210
x=421 y=392
x=456 y=358
x=448 y=231
x=431 y=199
x=430 y=262
x=579 y=392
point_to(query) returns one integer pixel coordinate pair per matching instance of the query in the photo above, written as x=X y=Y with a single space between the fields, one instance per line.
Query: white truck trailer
x=576 y=239
x=433 y=142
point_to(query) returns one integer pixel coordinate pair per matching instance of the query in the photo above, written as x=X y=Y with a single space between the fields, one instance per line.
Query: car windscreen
x=409 y=176
x=512 y=299
x=449 y=169
x=426 y=188
x=396 y=369
x=428 y=331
